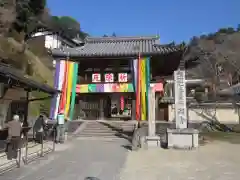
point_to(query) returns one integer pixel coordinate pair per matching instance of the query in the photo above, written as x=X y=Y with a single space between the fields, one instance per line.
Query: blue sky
x=176 y=20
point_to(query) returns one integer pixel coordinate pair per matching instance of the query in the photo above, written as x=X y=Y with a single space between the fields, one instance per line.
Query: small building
x=105 y=77
x=54 y=40
x=44 y=40
x=14 y=93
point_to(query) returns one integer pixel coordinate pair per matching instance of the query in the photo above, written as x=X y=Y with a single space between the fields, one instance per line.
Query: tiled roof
x=116 y=46
x=20 y=79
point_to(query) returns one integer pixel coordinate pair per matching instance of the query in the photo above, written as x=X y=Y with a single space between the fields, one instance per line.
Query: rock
x=137 y=135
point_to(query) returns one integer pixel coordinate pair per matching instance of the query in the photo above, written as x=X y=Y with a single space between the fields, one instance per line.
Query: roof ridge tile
x=120 y=39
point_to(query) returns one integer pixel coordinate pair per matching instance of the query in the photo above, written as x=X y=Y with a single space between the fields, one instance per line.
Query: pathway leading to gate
x=76 y=160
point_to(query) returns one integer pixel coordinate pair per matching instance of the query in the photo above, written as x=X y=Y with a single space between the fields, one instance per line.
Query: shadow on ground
x=73 y=126
x=91 y=178
x=127 y=147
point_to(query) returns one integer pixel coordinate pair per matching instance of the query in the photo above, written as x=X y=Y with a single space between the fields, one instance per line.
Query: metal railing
x=8 y=165
x=29 y=150
x=40 y=150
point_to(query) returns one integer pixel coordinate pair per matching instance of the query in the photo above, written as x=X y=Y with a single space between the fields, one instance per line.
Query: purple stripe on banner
x=134 y=69
x=100 y=88
x=56 y=81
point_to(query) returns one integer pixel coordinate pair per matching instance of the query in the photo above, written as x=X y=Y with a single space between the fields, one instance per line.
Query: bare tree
x=218 y=63
x=218 y=58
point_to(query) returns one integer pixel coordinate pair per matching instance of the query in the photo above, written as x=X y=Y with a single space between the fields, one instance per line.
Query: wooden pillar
x=25 y=121
x=133 y=111
x=101 y=109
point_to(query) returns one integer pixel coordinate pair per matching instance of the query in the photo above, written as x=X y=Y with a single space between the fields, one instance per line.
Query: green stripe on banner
x=73 y=96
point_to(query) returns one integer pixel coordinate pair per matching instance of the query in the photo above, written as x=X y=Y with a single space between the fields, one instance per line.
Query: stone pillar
x=180 y=99
x=152 y=113
x=181 y=137
x=152 y=139
x=171 y=91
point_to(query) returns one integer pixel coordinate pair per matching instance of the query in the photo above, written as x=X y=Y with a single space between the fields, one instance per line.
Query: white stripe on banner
x=60 y=84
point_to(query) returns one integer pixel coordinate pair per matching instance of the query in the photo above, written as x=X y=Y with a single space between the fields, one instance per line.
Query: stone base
x=182 y=138
x=153 y=141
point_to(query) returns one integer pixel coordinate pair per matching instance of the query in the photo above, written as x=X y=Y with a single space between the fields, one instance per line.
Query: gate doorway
x=105 y=106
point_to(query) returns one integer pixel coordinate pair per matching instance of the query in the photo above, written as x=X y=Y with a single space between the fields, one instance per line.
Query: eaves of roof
x=16 y=76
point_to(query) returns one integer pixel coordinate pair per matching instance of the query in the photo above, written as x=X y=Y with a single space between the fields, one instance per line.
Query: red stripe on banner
x=138 y=90
x=64 y=90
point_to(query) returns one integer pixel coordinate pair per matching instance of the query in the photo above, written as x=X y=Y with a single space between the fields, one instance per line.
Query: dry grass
x=231 y=137
x=12 y=49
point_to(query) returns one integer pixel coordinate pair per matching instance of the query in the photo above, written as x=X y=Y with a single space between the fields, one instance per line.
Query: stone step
x=109 y=126
x=98 y=130
x=98 y=133
x=103 y=128
x=103 y=136
x=97 y=126
x=111 y=123
x=104 y=139
x=105 y=131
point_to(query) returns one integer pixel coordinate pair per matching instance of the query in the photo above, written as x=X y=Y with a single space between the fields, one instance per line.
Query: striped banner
x=147 y=84
x=138 y=89
x=60 y=86
x=143 y=88
x=69 y=87
x=64 y=89
x=73 y=97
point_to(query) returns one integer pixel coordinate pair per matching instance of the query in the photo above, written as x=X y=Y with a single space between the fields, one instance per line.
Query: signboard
x=180 y=99
x=96 y=77
x=109 y=77
x=122 y=77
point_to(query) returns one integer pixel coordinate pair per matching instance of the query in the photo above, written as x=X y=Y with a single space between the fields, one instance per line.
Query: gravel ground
x=215 y=161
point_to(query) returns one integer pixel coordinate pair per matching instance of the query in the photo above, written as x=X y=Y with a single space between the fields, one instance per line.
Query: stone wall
x=227 y=115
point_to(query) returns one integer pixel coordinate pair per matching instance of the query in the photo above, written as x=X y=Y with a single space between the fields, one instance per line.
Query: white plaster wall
x=223 y=115
x=52 y=41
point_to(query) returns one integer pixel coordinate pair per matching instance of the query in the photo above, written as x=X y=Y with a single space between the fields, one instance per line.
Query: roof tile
x=116 y=46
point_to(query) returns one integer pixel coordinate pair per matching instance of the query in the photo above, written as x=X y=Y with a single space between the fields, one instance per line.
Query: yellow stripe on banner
x=69 y=87
x=143 y=89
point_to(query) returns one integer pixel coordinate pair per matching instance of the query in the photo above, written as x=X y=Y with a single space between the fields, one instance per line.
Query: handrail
x=11 y=167
x=26 y=157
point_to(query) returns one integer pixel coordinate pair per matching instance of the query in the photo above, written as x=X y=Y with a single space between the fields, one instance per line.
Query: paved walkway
x=217 y=161
x=76 y=160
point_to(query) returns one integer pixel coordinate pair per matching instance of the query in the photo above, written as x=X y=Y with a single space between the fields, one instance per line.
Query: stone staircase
x=109 y=131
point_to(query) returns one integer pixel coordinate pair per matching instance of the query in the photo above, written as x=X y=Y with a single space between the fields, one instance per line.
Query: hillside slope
x=12 y=52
